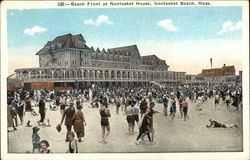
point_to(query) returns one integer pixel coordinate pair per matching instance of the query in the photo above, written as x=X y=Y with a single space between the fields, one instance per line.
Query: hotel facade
x=68 y=62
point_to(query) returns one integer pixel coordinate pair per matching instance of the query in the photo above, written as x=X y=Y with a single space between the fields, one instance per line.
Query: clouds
x=102 y=19
x=34 y=30
x=192 y=56
x=229 y=26
x=168 y=25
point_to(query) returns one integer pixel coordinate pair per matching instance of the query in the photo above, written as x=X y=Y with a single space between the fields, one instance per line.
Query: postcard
x=124 y=80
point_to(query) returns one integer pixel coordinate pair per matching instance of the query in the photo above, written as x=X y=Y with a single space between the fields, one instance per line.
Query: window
x=59 y=45
x=53 y=46
x=79 y=44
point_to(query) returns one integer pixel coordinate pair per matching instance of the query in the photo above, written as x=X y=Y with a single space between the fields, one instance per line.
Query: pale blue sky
x=146 y=27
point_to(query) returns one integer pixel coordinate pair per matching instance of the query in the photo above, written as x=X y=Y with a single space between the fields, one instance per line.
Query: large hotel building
x=68 y=62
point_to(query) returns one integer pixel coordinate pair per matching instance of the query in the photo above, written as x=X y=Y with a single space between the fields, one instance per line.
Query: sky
x=186 y=37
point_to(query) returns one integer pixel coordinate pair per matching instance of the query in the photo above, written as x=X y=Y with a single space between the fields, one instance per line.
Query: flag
x=211 y=62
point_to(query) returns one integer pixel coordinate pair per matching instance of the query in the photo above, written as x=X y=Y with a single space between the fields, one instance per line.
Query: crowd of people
x=137 y=104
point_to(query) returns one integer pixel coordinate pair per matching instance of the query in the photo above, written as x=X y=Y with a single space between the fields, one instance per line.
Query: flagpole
x=211 y=62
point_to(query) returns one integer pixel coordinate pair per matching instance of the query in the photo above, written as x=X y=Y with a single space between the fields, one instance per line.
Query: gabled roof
x=103 y=51
x=153 y=60
x=98 y=50
x=127 y=50
x=223 y=71
x=78 y=37
x=66 y=41
x=92 y=48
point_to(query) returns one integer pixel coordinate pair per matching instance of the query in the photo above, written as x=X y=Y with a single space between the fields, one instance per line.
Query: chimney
x=224 y=65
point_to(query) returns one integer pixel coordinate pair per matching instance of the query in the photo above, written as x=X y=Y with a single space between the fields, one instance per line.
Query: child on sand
x=35 y=139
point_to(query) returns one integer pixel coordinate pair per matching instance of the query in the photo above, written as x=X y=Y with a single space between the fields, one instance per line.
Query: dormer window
x=59 y=45
x=52 y=46
x=79 y=44
x=47 y=47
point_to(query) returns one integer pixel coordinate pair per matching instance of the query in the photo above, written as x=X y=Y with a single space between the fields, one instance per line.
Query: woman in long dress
x=79 y=122
x=144 y=127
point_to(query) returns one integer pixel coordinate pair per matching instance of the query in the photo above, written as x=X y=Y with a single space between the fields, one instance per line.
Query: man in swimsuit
x=105 y=114
x=215 y=124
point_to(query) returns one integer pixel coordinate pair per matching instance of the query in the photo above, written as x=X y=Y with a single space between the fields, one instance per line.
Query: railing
x=87 y=79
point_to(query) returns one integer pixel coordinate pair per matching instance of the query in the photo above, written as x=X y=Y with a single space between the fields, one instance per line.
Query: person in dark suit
x=68 y=115
x=41 y=106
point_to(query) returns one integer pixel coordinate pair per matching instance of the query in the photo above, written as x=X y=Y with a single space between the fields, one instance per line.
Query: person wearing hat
x=68 y=116
x=35 y=139
x=79 y=121
x=44 y=144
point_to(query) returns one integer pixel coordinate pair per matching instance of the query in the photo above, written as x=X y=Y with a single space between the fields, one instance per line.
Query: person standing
x=217 y=101
x=117 y=104
x=35 y=139
x=143 y=105
x=165 y=105
x=199 y=103
x=48 y=108
x=122 y=100
x=181 y=106
x=144 y=127
x=172 y=107
x=63 y=102
x=185 y=109
x=105 y=114
x=130 y=118
x=14 y=103
x=79 y=122
x=10 y=114
x=136 y=111
x=150 y=114
x=21 y=109
x=28 y=113
x=228 y=98
x=41 y=106
x=236 y=101
x=68 y=116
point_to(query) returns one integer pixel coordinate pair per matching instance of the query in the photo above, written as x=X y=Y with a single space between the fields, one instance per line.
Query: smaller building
x=225 y=74
x=217 y=72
